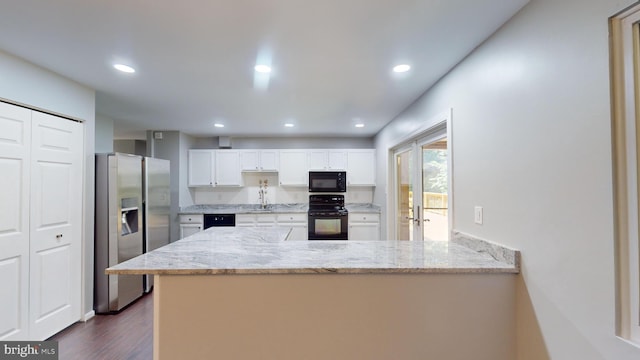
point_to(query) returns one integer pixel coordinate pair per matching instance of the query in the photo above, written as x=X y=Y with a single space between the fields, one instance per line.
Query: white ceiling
x=331 y=59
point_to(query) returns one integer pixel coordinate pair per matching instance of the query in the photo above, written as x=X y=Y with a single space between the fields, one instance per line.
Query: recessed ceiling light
x=359 y=125
x=288 y=125
x=401 y=68
x=262 y=68
x=124 y=68
x=218 y=125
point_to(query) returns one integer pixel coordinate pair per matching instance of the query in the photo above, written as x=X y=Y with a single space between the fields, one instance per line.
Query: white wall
x=104 y=134
x=531 y=144
x=33 y=86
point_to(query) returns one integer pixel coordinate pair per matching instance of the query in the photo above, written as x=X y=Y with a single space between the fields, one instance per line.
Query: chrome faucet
x=262 y=193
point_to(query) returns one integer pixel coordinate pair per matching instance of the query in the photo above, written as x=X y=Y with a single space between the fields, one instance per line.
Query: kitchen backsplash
x=248 y=194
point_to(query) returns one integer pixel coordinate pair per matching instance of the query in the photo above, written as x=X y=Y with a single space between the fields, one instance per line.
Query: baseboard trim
x=86 y=317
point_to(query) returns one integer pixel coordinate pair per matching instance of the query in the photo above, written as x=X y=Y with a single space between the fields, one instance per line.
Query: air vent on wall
x=224 y=142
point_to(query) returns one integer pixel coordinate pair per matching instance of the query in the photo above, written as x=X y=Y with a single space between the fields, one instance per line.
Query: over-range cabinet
x=132 y=216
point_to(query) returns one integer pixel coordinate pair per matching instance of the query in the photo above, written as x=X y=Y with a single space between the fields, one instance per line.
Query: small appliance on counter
x=327 y=181
x=328 y=218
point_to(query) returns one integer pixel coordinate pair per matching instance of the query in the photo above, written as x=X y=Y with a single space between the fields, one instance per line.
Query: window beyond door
x=435 y=190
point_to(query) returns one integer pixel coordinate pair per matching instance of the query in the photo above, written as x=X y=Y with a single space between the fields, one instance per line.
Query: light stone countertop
x=271 y=208
x=221 y=250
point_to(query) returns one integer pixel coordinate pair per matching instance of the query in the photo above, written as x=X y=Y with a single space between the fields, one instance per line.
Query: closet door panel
x=15 y=142
x=56 y=217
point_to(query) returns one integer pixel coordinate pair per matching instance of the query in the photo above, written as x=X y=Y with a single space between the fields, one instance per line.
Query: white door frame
x=431 y=126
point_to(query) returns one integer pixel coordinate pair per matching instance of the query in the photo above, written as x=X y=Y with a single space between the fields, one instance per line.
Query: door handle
x=417 y=219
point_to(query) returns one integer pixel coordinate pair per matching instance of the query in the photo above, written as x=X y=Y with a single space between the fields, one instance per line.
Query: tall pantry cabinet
x=41 y=186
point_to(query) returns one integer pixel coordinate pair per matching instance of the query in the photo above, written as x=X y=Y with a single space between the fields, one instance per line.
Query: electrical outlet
x=478 y=215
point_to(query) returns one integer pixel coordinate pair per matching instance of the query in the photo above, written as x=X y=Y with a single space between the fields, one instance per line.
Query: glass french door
x=404 y=195
x=422 y=188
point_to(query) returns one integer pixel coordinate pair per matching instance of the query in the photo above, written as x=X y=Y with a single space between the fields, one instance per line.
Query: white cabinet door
x=56 y=224
x=293 y=168
x=250 y=160
x=189 y=229
x=245 y=220
x=190 y=224
x=269 y=160
x=318 y=159
x=337 y=160
x=298 y=224
x=259 y=160
x=15 y=150
x=201 y=167
x=299 y=232
x=266 y=220
x=227 y=168
x=364 y=231
x=361 y=169
x=364 y=226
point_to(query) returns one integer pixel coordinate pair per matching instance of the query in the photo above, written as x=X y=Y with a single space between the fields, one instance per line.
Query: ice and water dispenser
x=129 y=216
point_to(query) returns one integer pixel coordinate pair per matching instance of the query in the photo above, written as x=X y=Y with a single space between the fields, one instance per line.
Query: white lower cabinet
x=364 y=226
x=296 y=221
x=245 y=220
x=298 y=224
x=255 y=220
x=190 y=224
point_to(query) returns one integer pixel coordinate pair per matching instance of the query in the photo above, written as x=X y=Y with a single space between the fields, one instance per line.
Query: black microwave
x=327 y=181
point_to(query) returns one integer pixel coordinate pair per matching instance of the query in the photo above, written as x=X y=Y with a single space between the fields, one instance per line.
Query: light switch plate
x=478 y=215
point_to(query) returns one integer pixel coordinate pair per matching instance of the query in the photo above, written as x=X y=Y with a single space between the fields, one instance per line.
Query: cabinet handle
x=59 y=236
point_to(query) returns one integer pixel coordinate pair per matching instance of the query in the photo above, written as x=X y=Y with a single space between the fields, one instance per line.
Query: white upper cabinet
x=320 y=159
x=224 y=167
x=214 y=168
x=259 y=160
x=201 y=167
x=227 y=168
x=361 y=169
x=293 y=168
x=269 y=160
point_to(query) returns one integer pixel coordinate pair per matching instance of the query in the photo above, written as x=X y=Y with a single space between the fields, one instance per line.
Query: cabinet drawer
x=287 y=218
x=364 y=217
x=245 y=219
x=266 y=218
x=191 y=219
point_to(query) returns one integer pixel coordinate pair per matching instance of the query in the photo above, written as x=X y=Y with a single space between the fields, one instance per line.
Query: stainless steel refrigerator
x=124 y=200
x=157 y=207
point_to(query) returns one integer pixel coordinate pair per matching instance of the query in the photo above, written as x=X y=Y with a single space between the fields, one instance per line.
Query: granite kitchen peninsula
x=247 y=293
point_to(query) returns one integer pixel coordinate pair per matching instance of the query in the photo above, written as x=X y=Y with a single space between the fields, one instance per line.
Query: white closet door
x=15 y=144
x=56 y=217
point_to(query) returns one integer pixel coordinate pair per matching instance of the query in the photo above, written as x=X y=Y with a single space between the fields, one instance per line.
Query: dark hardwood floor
x=127 y=335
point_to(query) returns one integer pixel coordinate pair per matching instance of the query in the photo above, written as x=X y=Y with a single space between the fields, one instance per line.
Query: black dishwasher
x=211 y=220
